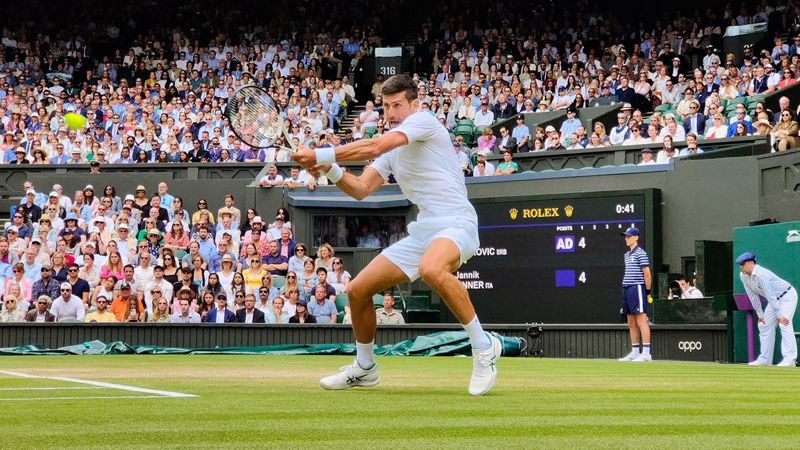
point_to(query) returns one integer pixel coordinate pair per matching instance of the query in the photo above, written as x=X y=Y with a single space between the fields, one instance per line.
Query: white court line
x=79 y=398
x=121 y=387
x=77 y=388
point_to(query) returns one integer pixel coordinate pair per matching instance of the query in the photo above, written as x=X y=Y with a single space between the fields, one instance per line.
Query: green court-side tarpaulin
x=446 y=343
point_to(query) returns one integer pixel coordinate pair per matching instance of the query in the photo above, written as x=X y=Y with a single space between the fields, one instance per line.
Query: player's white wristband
x=334 y=174
x=325 y=155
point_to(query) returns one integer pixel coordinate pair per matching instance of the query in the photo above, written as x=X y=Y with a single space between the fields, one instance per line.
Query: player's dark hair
x=680 y=278
x=400 y=83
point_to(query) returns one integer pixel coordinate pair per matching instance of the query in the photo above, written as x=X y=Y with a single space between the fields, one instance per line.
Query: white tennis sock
x=646 y=348
x=365 y=354
x=635 y=350
x=477 y=337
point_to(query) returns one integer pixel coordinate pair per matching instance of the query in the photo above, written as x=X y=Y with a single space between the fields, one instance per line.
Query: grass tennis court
x=275 y=401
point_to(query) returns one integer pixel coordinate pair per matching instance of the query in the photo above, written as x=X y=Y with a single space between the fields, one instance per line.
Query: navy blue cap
x=746 y=256
x=632 y=231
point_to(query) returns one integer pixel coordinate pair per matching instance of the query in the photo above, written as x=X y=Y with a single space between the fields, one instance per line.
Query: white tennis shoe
x=352 y=376
x=629 y=357
x=484 y=370
x=643 y=358
x=787 y=363
x=758 y=362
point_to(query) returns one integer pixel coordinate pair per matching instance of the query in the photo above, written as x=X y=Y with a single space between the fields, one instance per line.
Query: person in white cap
x=68 y=306
x=489 y=168
x=781 y=299
x=75 y=156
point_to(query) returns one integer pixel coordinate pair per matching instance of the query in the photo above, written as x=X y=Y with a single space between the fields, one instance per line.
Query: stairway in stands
x=356 y=110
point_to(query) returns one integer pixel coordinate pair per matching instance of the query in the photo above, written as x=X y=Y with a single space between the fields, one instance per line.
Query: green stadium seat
x=370 y=131
x=753 y=100
x=735 y=101
x=278 y=281
x=341 y=301
x=465 y=122
x=723 y=102
x=377 y=301
x=664 y=108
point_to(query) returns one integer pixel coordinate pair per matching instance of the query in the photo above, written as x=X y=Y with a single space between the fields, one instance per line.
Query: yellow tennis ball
x=75 y=121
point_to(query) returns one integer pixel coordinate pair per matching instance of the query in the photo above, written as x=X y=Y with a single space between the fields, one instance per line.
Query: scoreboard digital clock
x=558 y=258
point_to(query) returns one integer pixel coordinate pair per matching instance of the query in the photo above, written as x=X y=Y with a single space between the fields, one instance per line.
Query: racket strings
x=255 y=117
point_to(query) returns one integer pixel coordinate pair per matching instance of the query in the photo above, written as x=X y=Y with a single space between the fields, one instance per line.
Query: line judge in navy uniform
x=781 y=302
x=635 y=292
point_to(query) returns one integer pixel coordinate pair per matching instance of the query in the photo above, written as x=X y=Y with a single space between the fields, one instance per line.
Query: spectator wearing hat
x=621 y=131
x=487 y=168
x=563 y=99
x=781 y=303
x=9 y=312
x=274 y=229
x=41 y=311
x=215 y=260
x=19 y=226
x=302 y=314
x=75 y=156
x=221 y=313
x=20 y=156
x=484 y=117
x=45 y=284
x=123 y=300
x=606 y=97
x=647 y=158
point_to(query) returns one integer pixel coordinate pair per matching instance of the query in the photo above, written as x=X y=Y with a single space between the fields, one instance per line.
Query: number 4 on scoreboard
x=582 y=277
x=582 y=243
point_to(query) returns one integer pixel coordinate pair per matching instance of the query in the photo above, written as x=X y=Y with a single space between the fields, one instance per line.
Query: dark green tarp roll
x=446 y=343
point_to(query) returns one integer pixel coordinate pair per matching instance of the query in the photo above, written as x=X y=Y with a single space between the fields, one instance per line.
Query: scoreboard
x=557 y=259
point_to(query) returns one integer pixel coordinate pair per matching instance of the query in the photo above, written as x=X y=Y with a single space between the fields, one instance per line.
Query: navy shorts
x=634 y=299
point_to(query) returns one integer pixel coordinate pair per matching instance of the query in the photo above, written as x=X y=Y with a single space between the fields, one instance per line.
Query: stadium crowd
x=133 y=258
x=158 y=93
x=160 y=96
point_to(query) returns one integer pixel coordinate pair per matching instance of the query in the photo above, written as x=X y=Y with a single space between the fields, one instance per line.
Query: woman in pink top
x=487 y=140
x=176 y=238
x=113 y=266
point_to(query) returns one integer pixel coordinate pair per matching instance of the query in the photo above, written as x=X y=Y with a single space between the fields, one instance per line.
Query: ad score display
x=538 y=256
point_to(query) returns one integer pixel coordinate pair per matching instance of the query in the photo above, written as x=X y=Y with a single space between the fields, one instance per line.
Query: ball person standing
x=781 y=302
x=418 y=152
x=635 y=292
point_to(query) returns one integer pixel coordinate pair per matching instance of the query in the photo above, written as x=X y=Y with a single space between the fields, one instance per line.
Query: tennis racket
x=255 y=118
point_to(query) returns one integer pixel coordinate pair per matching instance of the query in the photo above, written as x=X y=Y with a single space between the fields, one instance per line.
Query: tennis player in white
x=419 y=153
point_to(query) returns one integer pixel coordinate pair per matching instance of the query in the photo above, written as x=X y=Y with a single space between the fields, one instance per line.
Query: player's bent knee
x=357 y=293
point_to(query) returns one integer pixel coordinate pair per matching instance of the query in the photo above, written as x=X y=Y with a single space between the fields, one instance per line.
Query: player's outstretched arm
x=361 y=150
x=359 y=187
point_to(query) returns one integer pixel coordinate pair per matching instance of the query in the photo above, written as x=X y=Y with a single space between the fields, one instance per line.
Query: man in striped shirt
x=635 y=292
x=781 y=300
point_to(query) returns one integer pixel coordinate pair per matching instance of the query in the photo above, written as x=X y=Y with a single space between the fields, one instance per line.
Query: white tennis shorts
x=407 y=252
